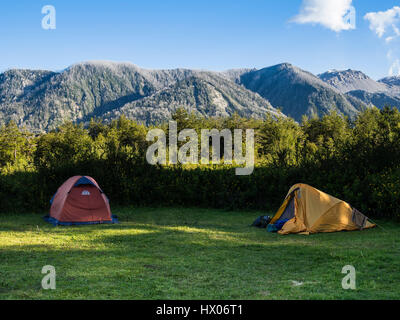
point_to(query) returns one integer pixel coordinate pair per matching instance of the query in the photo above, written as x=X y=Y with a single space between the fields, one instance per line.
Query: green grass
x=177 y=253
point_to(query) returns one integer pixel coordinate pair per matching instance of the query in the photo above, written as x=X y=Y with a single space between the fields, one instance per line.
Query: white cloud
x=396 y=34
x=337 y=15
x=382 y=22
x=395 y=68
x=387 y=23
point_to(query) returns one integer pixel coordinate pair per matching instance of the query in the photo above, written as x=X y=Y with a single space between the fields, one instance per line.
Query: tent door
x=289 y=211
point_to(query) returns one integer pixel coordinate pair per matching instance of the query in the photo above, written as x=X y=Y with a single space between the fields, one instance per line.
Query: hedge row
x=358 y=162
x=376 y=194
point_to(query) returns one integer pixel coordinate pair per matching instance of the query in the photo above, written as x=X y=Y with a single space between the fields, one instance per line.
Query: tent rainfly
x=80 y=200
x=309 y=210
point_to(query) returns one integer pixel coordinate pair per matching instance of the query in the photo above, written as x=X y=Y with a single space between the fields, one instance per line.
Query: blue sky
x=214 y=35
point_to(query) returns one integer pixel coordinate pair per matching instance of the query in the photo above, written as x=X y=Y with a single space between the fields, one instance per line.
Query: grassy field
x=193 y=254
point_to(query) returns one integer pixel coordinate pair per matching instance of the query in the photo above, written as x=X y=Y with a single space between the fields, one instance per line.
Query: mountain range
x=41 y=100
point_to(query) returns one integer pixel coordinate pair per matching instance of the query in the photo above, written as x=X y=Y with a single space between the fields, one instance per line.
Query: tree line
x=357 y=161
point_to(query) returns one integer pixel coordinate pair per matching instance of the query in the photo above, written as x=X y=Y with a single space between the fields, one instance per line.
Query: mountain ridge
x=351 y=80
x=297 y=92
x=42 y=99
x=358 y=85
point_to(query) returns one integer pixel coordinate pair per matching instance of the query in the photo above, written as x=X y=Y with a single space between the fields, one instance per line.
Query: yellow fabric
x=316 y=211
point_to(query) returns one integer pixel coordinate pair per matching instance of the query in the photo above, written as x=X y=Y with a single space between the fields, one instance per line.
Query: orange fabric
x=84 y=203
x=338 y=218
x=316 y=211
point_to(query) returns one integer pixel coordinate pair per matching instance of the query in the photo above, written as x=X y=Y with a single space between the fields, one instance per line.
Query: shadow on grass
x=189 y=254
x=145 y=261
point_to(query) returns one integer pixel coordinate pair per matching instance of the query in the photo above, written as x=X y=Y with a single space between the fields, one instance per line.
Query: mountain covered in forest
x=297 y=92
x=42 y=100
x=385 y=92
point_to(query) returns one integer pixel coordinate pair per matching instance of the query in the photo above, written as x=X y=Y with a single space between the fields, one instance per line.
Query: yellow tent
x=311 y=211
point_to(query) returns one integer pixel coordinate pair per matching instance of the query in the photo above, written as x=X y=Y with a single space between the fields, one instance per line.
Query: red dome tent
x=80 y=200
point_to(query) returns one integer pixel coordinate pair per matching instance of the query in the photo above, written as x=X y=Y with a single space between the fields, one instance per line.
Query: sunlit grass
x=176 y=253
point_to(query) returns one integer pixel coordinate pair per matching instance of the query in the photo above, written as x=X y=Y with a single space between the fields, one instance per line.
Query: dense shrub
x=358 y=162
